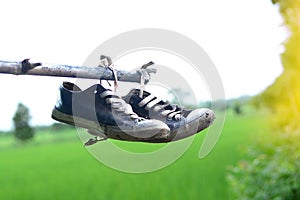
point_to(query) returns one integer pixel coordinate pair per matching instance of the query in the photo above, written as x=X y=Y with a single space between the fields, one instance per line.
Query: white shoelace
x=105 y=61
x=119 y=104
x=152 y=101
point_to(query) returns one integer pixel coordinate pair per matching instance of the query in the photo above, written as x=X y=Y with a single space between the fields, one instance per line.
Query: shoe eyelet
x=169 y=118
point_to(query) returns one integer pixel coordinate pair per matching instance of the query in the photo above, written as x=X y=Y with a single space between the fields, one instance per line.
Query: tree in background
x=272 y=170
x=283 y=97
x=23 y=131
x=237 y=108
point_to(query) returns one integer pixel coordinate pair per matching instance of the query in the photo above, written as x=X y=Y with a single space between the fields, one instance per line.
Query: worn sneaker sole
x=159 y=133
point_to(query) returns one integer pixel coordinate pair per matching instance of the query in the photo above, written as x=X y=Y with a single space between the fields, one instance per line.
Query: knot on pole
x=26 y=66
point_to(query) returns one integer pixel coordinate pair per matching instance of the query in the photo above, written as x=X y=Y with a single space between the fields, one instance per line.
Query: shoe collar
x=97 y=88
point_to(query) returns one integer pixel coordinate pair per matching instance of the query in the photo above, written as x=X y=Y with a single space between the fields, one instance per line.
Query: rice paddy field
x=57 y=166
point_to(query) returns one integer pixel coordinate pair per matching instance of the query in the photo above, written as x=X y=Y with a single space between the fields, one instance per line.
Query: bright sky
x=242 y=38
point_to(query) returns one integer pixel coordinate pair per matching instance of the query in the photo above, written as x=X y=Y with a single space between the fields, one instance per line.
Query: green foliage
x=272 y=171
x=23 y=131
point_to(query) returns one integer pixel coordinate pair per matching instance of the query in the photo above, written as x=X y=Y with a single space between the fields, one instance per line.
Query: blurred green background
x=55 y=165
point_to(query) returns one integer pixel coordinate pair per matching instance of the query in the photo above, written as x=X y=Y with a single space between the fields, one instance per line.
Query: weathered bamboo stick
x=26 y=68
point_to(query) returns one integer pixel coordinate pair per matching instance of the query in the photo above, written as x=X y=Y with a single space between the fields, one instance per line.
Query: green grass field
x=57 y=166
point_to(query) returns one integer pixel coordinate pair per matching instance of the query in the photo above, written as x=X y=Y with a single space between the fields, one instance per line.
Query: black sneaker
x=100 y=111
x=181 y=121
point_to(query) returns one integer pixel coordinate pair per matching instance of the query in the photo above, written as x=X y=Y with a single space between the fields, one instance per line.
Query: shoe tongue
x=100 y=88
x=137 y=92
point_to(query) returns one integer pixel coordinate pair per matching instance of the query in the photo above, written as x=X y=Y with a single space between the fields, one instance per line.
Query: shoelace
x=105 y=61
x=152 y=101
x=118 y=104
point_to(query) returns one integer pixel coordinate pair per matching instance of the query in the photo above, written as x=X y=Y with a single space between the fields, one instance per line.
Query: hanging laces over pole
x=105 y=61
x=145 y=76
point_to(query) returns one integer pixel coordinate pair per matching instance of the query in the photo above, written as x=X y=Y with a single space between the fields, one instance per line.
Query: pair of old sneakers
x=135 y=117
